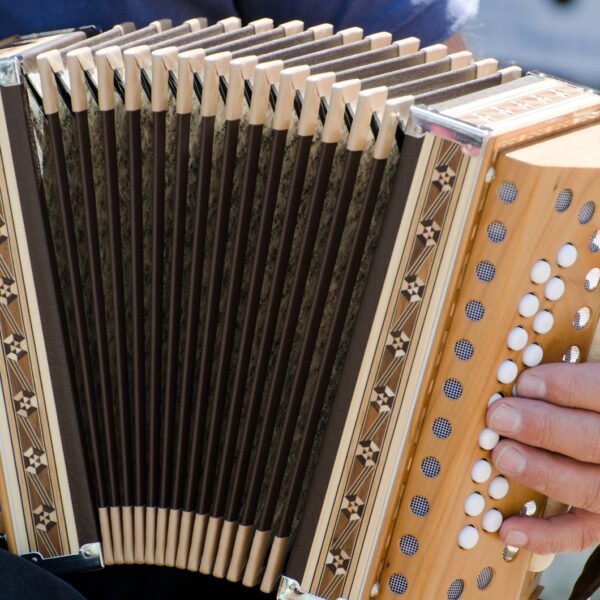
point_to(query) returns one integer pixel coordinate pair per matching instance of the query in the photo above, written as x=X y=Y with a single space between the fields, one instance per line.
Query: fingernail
x=505 y=419
x=516 y=538
x=531 y=386
x=510 y=460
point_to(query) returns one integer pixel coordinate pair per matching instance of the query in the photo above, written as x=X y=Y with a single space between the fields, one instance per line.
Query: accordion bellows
x=258 y=286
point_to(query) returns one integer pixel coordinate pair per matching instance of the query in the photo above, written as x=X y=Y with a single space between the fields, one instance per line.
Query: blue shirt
x=430 y=20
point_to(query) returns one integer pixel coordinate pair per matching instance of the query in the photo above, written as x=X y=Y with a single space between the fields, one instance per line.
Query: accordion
x=258 y=287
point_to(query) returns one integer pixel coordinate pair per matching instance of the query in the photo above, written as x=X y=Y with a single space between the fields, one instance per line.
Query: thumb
x=570 y=532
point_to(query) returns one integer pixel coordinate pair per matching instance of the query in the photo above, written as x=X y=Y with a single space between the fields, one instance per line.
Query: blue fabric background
x=426 y=19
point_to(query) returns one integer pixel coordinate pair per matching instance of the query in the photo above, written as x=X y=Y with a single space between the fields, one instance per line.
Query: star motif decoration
x=382 y=398
x=26 y=403
x=36 y=460
x=367 y=453
x=8 y=290
x=443 y=178
x=338 y=561
x=428 y=232
x=412 y=288
x=352 y=507
x=44 y=517
x=15 y=346
x=397 y=343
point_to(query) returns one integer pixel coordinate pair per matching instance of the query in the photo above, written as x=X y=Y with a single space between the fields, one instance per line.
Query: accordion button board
x=259 y=285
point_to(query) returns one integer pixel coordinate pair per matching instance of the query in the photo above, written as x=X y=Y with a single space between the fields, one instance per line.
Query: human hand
x=553 y=446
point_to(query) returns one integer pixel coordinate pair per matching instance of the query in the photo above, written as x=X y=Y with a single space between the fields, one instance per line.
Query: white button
x=554 y=289
x=468 y=537
x=532 y=355
x=492 y=520
x=528 y=305
x=474 y=504
x=566 y=256
x=481 y=471
x=517 y=338
x=493 y=398
x=498 y=487
x=507 y=372
x=540 y=272
x=488 y=439
x=543 y=322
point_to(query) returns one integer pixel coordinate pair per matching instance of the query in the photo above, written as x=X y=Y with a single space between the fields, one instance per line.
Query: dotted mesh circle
x=563 y=200
x=419 y=506
x=528 y=509
x=408 y=545
x=463 y=349
x=398 y=584
x=430 y=467
x=582 y=318
x=509 y=553
x=456 y=589
x=453 y=389
x=474 y=310
x=485 y=271
x=507 y=192
x=485 y=577
x=594 y=244
x=496 y=232
x=586 y=212
x=441 y=428
x=572 y=354
x=592 y=279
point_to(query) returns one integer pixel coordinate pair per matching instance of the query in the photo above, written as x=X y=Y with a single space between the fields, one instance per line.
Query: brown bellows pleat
x=116 y=534
x=76 y=289
x=118 y=298
x=197 y=542
x=172 y=537
x=225 y=548
x=241 y=549
x=185 y=535
x=128 y=544
x=156 y=315
x=277 y=556
x=211 y=544
x=139 y=533
x=137 y=305
x=256 y=561
x=162 y=516
x=150 y=535
x=105 y=534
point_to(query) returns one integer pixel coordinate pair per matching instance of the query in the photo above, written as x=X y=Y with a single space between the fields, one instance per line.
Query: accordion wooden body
x=258 y=286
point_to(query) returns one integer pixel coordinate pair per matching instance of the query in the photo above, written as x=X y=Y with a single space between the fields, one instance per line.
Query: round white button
x=492 y=520
x=517 y=338
x=566 y=256
x=474 y=504
x=493 y=398
x=528 y=305
x=540 y=272
x=532 y=355
x=554 y=289
x=543 y=322
x=507 y=372
x=481 y=471
x=488 y=439
x=498 y=487
x=468 y=537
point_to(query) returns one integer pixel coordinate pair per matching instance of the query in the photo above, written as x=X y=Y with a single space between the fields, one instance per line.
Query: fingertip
x=532 y=384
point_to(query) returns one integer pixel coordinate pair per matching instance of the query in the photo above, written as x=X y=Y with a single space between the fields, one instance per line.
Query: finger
x=564 y=384
x=567 y=480
x=569 y=431
x=570 y=532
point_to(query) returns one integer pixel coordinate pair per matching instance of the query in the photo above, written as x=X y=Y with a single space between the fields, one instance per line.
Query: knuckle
x=542 y=431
